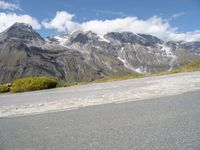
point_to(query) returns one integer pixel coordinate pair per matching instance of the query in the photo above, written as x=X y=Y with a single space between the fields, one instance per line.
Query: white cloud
x=178 y=15
x=153 y=25
x=8 y=19
x=10 y=6
x=187 y=36
x=63 y=21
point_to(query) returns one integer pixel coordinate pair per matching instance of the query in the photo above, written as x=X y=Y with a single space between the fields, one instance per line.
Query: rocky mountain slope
x=85 y=56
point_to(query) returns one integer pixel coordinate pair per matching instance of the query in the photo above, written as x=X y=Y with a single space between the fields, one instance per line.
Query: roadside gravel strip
x=98 y=93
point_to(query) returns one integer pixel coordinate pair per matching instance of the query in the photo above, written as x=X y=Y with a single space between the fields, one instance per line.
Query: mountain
x=193 y=47
x=85 y=56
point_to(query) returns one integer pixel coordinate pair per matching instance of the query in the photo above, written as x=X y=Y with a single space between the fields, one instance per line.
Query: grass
x=190 y=67
x=118 y=78
x=68 y=84
x=33 y=84
x=4 y=88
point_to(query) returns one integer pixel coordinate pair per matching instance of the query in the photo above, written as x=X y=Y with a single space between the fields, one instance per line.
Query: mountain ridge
x=85 y=56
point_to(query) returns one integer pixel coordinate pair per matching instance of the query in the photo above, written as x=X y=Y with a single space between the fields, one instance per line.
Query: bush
x=4 y=88
x=33 y=84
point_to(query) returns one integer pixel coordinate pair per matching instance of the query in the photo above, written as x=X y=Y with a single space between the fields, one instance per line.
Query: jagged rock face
x=193 y=47
x=128 y=37
x=85 y=56
x=20 y=32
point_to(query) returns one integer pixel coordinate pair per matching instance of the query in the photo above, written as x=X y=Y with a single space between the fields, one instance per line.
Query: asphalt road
x=170 y=123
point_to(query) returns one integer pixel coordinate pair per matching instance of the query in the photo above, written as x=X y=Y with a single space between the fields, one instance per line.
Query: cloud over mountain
x=63 y=21
x=8 y=19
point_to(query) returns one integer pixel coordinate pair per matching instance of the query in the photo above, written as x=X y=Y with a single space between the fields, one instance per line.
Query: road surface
x=170 y=123
x=97 y=93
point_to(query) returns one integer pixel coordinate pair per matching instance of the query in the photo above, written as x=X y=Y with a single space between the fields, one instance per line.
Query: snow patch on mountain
x=62 y=39
x=103 y=39
x=142 y=38
x=169 y=53
x=127 y=64
x=167 y=50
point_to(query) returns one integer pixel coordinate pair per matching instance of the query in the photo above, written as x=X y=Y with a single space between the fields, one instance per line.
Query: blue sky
x=182 y=16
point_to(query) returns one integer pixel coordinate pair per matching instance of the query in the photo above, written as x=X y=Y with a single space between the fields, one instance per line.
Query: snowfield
x=97 y=93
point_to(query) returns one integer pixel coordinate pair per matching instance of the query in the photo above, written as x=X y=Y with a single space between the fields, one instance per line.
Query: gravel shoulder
x=97 y=94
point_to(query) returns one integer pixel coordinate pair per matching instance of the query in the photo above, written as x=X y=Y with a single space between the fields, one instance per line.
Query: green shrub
x=4 y=88
x=33 y=83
